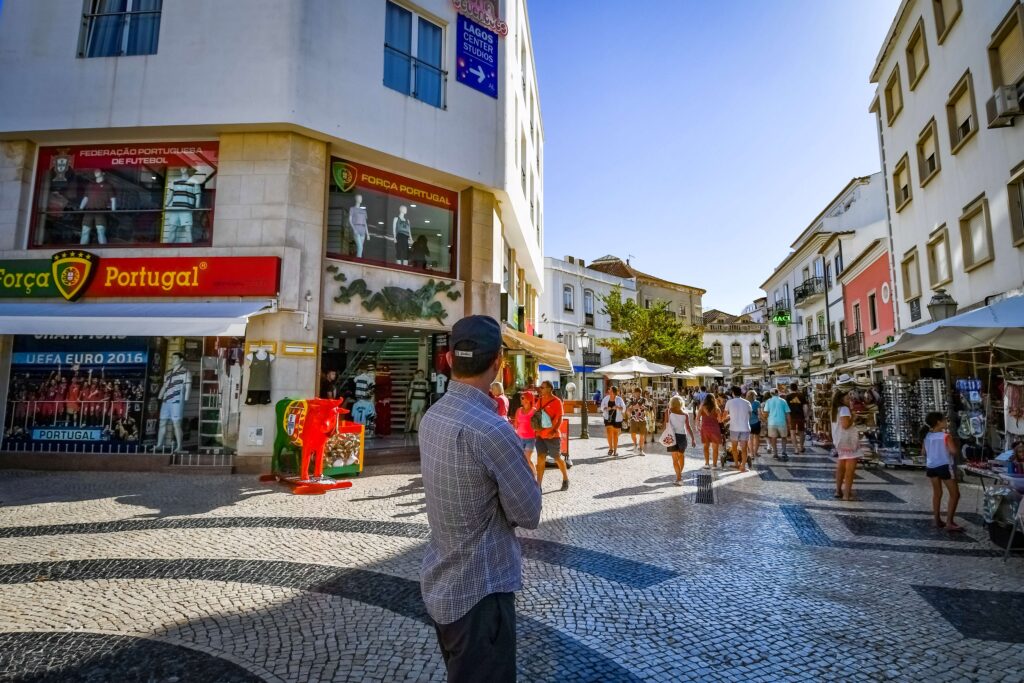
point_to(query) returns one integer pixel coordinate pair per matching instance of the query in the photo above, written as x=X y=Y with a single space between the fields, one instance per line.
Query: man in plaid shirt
x=478 y=489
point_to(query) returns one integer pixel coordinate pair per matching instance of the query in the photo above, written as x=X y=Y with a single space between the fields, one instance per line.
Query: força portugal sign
x=75 y=273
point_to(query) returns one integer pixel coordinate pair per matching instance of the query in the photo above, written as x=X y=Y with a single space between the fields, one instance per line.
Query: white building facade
x=805 y=313
x=573 y=300
x=735 y=344
x=947 y=105
x=381 y=184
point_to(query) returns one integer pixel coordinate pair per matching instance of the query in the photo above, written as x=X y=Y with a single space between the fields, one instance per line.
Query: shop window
x=125 y=195
x=976 y=234
x=1015 y=194
x=893 y=96
x=1006 y=51
x=917 y=54
x=911 y=275
x=961 y=114
x=946 y=14
x=413 y=52
x=939 y=271
x=116 y=28
x=385 y=219
x=901 y=183
x=568 y=298
x=928 y=164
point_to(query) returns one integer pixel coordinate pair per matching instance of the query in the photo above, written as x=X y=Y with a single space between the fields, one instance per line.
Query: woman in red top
x=524 y=427
x=549 y=436
x=710 y=428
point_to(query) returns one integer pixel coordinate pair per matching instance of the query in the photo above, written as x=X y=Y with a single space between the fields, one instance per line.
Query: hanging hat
x=844 y=378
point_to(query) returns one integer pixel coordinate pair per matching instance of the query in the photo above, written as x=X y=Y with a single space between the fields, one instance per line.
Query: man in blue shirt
x=478 y=488
x=776 y=413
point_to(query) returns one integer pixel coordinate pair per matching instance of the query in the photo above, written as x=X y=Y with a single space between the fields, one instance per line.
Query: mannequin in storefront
x=364 y=382
x=258 y=393
x=99 y=197
x=416 y=399
x=183 y=197
x=174 y=395
x=358 y=222
x=401 y=232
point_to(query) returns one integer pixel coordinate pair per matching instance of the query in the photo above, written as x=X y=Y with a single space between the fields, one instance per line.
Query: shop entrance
x=119 y=394
x=374 y=369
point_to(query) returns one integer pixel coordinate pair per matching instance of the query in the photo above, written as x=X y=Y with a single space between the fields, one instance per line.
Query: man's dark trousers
x=481 y=646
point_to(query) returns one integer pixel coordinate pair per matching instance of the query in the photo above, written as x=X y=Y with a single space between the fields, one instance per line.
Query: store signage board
x=782 y=318
x=484 y=12
x=75 y=274
x=476 y=57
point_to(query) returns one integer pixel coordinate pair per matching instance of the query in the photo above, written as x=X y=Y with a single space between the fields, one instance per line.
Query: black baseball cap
x=476 y=334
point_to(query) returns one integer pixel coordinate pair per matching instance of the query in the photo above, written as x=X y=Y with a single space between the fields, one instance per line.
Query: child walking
x=940 y=464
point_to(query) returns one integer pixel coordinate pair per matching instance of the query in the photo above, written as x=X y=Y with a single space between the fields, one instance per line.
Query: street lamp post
x=584 y=343
x=583 y=340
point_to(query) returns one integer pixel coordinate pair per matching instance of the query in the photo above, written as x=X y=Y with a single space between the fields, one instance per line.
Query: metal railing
x=811 y=287
x=781 y=353
x=778 y=308
x=420 y=71
x=733 y=327
x=815 y=343
x=853 y=345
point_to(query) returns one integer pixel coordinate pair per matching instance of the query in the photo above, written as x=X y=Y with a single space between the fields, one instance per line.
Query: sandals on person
x=940 y=524
x=954 y=528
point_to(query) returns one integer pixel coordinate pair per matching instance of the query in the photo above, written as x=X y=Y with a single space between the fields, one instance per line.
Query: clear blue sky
x=701 y=136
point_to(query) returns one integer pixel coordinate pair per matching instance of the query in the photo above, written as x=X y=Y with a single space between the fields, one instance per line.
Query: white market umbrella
x=1000 y=324
x=683 y=374
x=634 y=366
x=704 y=371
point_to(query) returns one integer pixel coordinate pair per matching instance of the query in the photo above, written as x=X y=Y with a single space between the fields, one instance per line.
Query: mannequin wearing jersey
x=401 y=232
x=174 y=395
x=358 y=222
x=183 y=197
x=416 y=399
x=99 y=197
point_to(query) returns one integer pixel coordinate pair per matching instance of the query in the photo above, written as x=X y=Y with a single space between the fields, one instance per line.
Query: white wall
x=982 y=165
x=554 y=319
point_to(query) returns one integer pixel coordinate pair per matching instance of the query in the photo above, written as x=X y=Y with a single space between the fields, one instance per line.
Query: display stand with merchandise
x=821 y=414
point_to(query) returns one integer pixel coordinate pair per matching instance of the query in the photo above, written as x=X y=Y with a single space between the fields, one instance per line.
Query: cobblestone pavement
x=761 y=576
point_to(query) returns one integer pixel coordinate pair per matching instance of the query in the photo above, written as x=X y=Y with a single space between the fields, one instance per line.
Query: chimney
x=582 y=265
x=570 y=259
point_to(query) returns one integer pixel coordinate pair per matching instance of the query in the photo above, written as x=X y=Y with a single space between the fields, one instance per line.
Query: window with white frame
x=893 y=96
x=413 y=53
x=939 y=271
x=117 y=28
x=1015 y=195
x=856 y=317
x=755 y=353
x=1006 y=51
x=911 y=275
x=946 y=14
x=976 y=234
x=928 y=153
x=736 y=352
x=821 y=323
x=917 y=54
x=961 y=113
x=568 y=298
x=716 y=352
x=901 y=182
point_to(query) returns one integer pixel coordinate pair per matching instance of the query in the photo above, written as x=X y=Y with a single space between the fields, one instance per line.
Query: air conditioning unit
x=1005 y=106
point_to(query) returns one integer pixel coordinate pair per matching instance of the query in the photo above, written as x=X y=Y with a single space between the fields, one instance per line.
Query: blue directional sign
x=476 y=57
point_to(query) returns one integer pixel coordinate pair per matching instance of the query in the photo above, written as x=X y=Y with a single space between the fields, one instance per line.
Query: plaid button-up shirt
x=478 y=487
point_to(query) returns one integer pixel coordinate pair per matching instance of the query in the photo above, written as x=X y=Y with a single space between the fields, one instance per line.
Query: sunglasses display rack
x=931 y=397
x=900 y=422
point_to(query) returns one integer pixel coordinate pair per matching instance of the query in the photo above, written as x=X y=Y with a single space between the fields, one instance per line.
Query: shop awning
x=1000 y=325
x=212 y=319
x=544 y=350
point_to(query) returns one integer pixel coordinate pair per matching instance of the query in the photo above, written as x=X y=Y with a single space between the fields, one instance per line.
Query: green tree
x=653 y=333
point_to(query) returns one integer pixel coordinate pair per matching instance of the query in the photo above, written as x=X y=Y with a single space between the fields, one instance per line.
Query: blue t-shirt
x=755 y=410
x=777 y=409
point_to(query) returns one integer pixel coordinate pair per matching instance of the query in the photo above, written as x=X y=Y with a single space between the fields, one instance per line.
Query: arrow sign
x=476 y=57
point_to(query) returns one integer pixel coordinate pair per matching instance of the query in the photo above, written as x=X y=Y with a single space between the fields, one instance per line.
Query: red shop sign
x=185 y=276
x=348 y=175
x=171 y=154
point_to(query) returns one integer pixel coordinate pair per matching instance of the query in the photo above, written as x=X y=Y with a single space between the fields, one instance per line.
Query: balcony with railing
x=780 y=312
x=811 y=290
x=815 y=343
x=781 y=353
x=853 y=345
x=733 y=327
